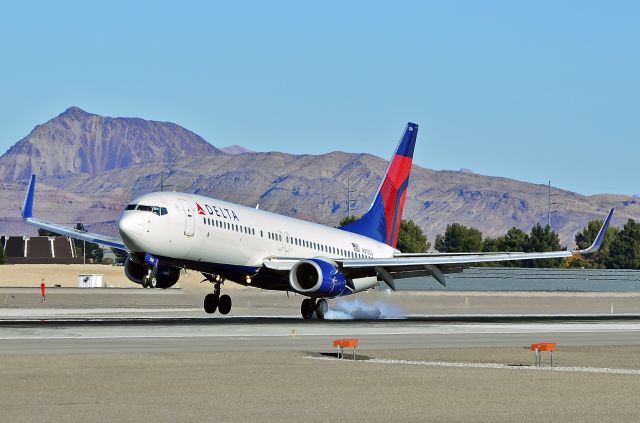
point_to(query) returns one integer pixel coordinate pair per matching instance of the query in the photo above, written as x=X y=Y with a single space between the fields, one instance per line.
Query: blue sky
x=535 y=91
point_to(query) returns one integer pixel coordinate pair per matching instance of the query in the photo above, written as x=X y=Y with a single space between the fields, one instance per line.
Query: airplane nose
x=131 y=228
x=129 y=224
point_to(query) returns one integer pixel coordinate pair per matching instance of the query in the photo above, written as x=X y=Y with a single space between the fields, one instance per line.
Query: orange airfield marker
x=341 y=344
x=543 y=346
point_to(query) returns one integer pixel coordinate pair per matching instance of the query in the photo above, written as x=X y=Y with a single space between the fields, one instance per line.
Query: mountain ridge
x=96 y=143
x=313 y=187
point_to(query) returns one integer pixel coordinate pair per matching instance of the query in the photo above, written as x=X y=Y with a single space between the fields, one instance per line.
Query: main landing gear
x=216 y=301
x=310 y=305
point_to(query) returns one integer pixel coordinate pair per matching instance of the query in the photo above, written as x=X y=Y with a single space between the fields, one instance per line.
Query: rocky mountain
x=235 y=149
x=77 y=142
x=90 y=166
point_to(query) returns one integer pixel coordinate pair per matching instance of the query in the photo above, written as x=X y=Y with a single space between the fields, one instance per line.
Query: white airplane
x=164 y=232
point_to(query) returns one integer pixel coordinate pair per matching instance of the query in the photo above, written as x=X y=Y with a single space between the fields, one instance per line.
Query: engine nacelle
x=134 y=271
x=317 y=277
x=166 y=277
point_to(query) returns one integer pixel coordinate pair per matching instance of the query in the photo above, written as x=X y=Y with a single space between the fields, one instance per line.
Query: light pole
x=549 y=211
x=349 y=191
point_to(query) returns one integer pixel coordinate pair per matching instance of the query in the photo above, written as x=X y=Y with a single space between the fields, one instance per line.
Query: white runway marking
x=599 y=370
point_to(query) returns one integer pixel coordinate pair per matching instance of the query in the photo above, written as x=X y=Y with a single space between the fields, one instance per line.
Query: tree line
x=620 y=248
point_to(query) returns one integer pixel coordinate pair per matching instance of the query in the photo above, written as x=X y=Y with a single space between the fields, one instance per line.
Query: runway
x=287 y=334
x=139 y=355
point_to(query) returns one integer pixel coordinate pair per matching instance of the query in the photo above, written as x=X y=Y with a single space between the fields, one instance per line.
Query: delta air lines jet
x=164 y=232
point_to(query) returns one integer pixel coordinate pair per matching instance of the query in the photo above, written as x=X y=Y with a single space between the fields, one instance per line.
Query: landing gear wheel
x=210 y=303
x=224 y=304
x=153 y=283
x=322 y=307
x=307 y=308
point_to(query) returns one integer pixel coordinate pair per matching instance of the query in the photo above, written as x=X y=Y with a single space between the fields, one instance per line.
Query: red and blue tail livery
x=382 y=220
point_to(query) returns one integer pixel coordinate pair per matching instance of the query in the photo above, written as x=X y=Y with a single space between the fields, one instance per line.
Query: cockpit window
x=131 y=207
x=160 y=211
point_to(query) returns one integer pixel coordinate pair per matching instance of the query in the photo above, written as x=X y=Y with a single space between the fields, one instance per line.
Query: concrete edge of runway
x=206 y=320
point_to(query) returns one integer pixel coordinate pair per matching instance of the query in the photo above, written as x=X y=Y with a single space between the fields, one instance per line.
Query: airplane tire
x=153 y=283
x=224 y=304
x=210 y=303
x=306 y=308
x=322 y=307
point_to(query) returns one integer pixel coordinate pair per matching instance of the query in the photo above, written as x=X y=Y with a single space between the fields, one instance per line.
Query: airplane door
x=279 y=240
x=287 y=242
x=190 y=219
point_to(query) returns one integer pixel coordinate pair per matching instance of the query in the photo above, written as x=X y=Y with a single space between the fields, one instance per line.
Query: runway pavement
x=143 y=355
x=286 y=334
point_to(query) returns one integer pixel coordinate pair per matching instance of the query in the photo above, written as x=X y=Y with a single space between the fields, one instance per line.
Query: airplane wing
x=416 y=265
x=27 y=216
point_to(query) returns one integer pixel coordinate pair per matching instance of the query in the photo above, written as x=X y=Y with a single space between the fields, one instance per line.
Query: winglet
x=597 y=243
x=27 y=207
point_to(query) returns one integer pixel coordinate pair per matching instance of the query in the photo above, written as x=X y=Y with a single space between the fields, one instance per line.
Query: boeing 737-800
x=164 y=232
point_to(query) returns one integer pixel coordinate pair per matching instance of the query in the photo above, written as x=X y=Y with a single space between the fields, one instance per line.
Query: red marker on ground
x=43 y=288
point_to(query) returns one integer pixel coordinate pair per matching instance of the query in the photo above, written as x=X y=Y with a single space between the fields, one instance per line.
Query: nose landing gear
x=309 y=306
x=150 y=280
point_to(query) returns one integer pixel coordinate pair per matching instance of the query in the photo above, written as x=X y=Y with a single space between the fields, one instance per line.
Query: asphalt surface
x=142 y=355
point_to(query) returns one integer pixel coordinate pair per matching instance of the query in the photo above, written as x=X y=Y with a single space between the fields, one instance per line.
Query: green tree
x=624 y=252
x=543 y=240
x=490 y=245
x=347 y=220
x=514 y=241
x=411 y=239
x=459 y=238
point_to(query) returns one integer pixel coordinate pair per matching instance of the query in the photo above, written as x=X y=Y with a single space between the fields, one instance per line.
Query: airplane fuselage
x=219 y=237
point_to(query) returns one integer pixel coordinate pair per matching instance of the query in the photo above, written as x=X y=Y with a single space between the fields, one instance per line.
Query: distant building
x=39 y=250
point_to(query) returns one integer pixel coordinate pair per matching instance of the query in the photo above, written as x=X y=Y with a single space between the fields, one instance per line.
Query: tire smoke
x=345 y=309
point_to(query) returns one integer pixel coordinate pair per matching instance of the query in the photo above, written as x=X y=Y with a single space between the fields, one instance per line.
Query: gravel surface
x=290 y=386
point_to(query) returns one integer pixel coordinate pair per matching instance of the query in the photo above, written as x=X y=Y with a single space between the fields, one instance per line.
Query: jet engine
x=317 y=277
x=166 y=277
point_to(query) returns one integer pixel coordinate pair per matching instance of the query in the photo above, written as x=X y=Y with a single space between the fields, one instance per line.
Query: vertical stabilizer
x=382 y=221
